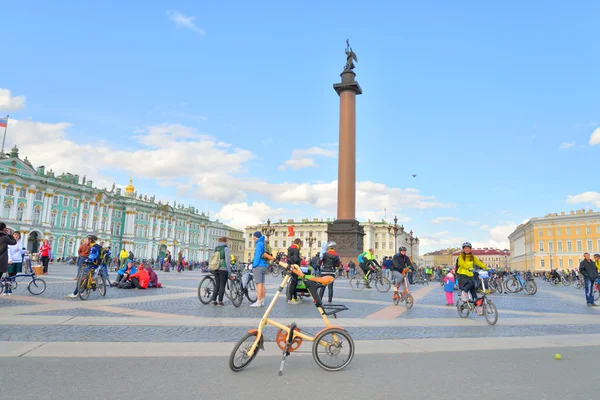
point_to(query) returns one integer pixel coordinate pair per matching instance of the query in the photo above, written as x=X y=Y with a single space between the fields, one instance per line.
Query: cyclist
x=400 y=266
x=93 y=260
x=293 y=257
x=465 y=263
x=597 y=261
x=331 y=263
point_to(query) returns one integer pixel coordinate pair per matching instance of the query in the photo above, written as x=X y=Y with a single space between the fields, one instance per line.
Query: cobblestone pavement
x=116 y=317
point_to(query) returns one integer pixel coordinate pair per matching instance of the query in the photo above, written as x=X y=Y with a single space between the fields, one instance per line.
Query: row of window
x=588 y=231
x=561 y=264
x=559 y=246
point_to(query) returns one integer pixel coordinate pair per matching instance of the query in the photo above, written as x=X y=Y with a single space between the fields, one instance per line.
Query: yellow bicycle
x=333 y=348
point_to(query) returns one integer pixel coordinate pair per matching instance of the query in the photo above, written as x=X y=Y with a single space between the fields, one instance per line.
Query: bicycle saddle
x=323 y=280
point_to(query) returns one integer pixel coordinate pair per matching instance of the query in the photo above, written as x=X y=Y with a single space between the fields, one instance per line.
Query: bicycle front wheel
x=596 y=292
x=239 y=358
x=251 y=290
x=490 y=312
x=36 y=286
x=410 y=301
x=236 y=293
x=566 y=282
x=82 y=285
x=382 y=284
x=333 y=349
x=462 y=308
x=206 y=289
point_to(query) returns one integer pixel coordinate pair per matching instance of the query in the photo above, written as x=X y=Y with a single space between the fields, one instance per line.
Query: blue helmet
x=467 y=244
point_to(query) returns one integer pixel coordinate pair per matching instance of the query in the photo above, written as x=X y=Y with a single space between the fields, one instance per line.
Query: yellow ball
x=557 y=356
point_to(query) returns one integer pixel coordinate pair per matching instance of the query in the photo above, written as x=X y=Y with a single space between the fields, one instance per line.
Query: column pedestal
x=348 y=235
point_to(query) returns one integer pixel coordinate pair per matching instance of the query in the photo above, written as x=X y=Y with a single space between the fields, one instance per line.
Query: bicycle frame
x=312 y=288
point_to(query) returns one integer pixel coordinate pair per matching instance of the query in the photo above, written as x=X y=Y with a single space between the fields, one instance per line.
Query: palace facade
x=65 y=209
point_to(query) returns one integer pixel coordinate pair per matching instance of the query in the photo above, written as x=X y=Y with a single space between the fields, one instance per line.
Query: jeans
x=589 y=291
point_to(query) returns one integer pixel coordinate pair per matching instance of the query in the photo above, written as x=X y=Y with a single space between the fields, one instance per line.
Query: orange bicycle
x=405 y=296
x=333 y=348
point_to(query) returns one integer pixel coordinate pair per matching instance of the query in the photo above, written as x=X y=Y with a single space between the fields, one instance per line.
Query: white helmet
x=331 y=245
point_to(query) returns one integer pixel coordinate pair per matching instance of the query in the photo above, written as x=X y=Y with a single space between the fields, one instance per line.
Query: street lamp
x=268 y=230
x=412 y=241
x=395 y=228
x=310 y=240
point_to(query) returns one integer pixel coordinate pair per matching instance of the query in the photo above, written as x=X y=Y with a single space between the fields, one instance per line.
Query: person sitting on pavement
x=124 y=274
x=153 y=279
x=141 y=278
x=293 y=257
x=465 y=263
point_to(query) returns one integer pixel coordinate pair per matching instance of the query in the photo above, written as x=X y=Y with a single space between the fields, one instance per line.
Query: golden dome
x=129 y=188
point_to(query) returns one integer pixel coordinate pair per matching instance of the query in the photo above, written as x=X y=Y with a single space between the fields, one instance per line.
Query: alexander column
x=345 y=230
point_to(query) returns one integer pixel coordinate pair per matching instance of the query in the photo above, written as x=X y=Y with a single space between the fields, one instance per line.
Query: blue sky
x=492 y=105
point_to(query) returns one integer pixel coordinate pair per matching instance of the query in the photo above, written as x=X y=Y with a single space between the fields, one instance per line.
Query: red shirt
x=143 y=277
x=45 y=250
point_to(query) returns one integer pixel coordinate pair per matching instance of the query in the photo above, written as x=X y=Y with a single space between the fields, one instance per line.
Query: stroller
x=301 y=289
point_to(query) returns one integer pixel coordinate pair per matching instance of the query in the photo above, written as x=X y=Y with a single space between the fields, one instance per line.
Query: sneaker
x=256 y=305
x=71 y=296
x=294 y=302
x=3 y=294
x=464 y=296
x=220 y=303
x=213 y=303
x=590 y=305
x=593 y=304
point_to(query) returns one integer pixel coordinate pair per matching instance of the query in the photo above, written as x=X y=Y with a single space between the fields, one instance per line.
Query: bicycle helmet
x=331 y=245
x=467 y=244
x=596 y=255
x=402 y=248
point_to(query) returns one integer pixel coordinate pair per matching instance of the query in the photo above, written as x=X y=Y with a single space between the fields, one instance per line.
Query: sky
x=229 y=106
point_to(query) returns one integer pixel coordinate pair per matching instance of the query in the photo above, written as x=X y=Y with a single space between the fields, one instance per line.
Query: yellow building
x=555 y=241
x=235 y=242
x=439 y=258
x=376 y=237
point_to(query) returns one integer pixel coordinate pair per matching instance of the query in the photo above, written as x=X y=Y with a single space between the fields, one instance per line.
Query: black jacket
x=293 y=256
x=331 y=262
x=588 y=270
x=399 y=262
x=5 y=241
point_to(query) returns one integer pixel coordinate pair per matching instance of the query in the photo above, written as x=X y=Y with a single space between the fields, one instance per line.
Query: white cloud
x=566 y=145
x=595 y=138
x=240 y=215
x=438 y=240
x=439 y=220
x=585 y=198
x=303 y=158
x=10 y=103
x=498 y=236
x=185 y=22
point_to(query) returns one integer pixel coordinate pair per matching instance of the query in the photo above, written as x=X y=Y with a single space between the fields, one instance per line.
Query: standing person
x=315 y=263
x=130 y=256
x=331 y=262
x=449 y=288
x=167 y=261
x=123 y=257
x=223 y=272
x=45 y=250
x=352 y=268
x=83 y=252
x=6 y=239
x=588 y=269
x=15 y=259
x=465 y=263
x=293 y=257
x=259 y=268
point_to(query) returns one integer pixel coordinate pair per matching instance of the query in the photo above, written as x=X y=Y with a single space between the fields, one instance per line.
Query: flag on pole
x=3 y=122
x=290 y=231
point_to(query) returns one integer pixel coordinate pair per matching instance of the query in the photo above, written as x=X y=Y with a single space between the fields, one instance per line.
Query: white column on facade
x=91 y=215
x=2 y=192
x=187 y=232
x=47 y=206
x=167 y=227
x=111 y=210
x=99 y=226
x=80 y=216
x=129 y=222
x=30 y=200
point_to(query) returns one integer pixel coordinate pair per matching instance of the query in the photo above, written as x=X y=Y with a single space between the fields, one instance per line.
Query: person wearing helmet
x=331 y=263
x=465 y=263
x=400 y=267
x=367 y=262
x=293 y=257
x=597 y=261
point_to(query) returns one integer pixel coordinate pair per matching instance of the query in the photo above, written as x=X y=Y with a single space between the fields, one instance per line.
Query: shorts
x=259 y=274
x=15 y=268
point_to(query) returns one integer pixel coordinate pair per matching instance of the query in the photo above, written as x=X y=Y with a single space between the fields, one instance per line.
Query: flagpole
x=5 y=128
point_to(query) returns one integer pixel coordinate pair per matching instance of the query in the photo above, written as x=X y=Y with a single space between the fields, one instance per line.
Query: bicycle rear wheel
x=382 y=284
x=333 y=349
x=206 y=289
x=36 y=286
x=490 y=312
x=566 y=282
x=101 y=284
x=596 y=292
x=357 y=283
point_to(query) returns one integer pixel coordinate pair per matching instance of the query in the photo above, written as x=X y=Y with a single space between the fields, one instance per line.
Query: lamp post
x=395 y=228
x=310 y=240
x=412 y=241
x=268 y=230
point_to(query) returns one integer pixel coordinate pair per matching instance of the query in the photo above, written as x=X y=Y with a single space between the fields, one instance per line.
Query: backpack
x=215 y=260
x=268 y=252
x=95 y=256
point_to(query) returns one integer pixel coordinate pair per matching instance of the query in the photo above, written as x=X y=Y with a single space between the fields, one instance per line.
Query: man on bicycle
x=93 y=261
x=400 y=266
x=366 y=262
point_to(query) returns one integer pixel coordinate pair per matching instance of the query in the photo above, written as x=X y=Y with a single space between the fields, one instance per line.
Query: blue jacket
x=258 y=261
x=122 y=271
